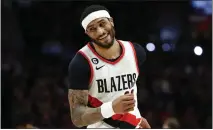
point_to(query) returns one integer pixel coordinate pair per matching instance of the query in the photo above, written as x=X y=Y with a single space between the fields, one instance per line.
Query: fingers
x=129 y=94
x=130 y=102
x=128 y=110
x=127 y=97
x=129 y=105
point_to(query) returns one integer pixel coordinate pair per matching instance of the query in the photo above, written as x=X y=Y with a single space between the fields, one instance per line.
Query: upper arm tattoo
x=78 y=97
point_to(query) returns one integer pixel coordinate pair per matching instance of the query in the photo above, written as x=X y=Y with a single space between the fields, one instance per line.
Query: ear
x=111 y=21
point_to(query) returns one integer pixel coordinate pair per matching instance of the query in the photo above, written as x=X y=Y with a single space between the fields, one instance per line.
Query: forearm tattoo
x=80 y=113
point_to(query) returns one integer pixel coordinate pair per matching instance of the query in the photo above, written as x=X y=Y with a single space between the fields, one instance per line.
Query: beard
x=108 y=44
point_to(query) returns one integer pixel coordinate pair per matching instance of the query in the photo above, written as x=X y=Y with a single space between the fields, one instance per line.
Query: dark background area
x=40 y=38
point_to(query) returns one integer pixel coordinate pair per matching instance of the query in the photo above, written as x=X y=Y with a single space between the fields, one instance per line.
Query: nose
x=101 y=32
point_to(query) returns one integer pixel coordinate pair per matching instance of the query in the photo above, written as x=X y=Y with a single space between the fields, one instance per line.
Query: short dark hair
x=90 y=9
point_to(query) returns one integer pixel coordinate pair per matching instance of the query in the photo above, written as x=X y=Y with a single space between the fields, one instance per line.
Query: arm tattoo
x=80 y=113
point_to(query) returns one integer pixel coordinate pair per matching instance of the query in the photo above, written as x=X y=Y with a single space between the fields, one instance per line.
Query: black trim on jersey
x=119 y=124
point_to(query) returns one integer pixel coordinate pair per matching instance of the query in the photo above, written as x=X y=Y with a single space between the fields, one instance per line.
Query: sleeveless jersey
x=109 y=80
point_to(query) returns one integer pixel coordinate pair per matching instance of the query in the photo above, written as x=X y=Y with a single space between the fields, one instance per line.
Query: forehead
x=96 y=21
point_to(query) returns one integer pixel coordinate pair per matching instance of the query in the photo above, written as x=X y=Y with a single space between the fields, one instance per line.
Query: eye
x=102 y=24
x=92 y=29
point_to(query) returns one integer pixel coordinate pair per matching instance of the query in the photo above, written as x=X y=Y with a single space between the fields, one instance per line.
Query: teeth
x=103 y=37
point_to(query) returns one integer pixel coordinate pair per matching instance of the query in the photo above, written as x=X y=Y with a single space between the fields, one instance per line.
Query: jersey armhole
x=90 y=64
x=135 y=56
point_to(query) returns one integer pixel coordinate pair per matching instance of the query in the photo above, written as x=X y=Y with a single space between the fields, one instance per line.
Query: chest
x=110 y=81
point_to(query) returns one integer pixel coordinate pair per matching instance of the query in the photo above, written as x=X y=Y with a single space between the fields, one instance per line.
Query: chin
x=109 y=44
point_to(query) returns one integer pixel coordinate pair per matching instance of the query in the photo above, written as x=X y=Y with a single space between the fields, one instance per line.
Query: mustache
x=111 y=32
x=103 y=35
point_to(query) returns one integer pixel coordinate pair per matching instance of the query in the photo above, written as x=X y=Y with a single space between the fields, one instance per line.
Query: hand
x=144 y=124
x=123 y=104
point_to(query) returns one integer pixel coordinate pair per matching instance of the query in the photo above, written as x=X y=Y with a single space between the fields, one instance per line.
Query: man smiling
x=103 y=75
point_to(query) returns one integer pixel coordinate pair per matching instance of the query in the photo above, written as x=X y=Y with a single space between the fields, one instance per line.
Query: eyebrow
x=97 y=22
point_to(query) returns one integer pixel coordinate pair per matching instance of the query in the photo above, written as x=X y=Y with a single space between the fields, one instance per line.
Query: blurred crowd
x=39 y=92
x=174 y=89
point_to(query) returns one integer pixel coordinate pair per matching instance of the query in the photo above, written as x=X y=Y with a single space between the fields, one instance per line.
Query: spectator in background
x=171 y=123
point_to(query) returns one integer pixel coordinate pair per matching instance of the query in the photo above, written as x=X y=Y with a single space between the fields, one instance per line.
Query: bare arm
x=82 y=115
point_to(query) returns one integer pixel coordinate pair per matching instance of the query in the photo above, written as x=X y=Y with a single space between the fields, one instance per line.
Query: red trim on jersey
x=110 y=62
x=127 y=117
x=90 y=64
x=94 y=101
x=135 y=55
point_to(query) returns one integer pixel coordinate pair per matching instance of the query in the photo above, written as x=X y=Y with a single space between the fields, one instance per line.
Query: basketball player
x=103 y=75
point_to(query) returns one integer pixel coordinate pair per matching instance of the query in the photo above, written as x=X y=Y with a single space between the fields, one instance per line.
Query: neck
x=110 y=53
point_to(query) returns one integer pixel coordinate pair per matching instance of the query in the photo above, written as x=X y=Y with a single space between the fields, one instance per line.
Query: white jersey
x=109 y=80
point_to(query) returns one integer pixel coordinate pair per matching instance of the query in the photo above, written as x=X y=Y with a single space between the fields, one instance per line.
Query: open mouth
x=103 y=37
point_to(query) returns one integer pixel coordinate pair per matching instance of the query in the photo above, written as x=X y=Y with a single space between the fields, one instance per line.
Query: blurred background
x=39 y=39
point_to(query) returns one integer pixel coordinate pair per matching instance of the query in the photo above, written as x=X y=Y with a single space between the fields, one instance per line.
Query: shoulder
x=139 y=49
x=140 y=52
x=79 y=72
x=79 y=61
